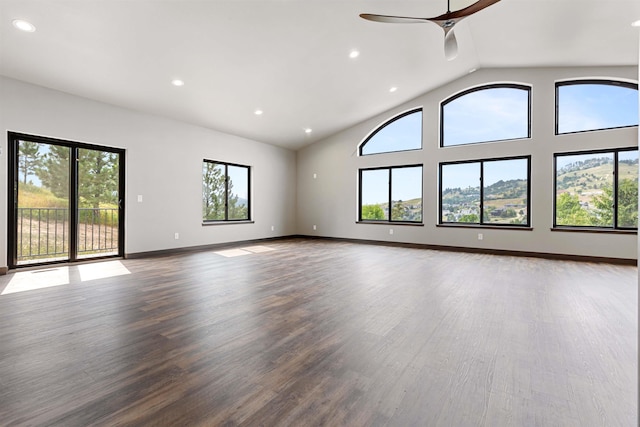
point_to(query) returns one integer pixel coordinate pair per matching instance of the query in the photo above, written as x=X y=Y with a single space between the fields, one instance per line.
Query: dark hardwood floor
x=309 y=332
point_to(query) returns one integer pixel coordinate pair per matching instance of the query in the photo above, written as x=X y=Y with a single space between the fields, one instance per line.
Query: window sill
x=208 y=223
x=486 y=226
x=594 y=230
x=414 y=224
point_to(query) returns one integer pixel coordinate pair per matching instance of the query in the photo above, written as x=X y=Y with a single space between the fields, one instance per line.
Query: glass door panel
x=42 y=206
x=98 y=203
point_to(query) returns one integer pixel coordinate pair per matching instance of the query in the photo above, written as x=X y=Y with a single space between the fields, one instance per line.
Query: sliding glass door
x=65 y=201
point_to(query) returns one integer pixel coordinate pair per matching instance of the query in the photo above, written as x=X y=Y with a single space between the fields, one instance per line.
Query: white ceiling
x=290 y=58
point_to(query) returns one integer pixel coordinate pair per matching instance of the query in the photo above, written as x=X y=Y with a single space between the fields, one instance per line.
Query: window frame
x=393 y=119
x=606 y=82
x=481 y=223
x=614 y=228
x=519 y=86
x=226 y=193
x=390 y=195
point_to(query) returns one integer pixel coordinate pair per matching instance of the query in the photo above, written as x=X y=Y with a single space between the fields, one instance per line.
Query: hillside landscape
x=584 y=197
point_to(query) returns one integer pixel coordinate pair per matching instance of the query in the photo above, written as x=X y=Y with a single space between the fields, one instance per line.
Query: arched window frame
x=519 y=86
x=610 y=82
x=387 y=123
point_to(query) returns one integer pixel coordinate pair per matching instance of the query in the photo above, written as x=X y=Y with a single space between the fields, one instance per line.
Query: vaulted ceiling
x=291 y=59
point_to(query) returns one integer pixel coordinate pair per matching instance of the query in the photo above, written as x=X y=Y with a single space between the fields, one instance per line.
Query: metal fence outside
x=43 y=233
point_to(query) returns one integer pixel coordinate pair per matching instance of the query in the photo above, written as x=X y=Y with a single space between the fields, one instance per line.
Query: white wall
x=330 y=200
x=163 y=164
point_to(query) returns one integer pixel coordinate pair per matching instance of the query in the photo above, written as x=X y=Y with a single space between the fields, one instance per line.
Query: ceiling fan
x=446 y=21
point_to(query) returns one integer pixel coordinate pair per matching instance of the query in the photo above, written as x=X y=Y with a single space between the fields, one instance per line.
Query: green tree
x=236 y=209
x=372 y=212
x=602 y=214
x=628 y=202
x=570 y=212
x=29 y=159
x=97 y=178
x=213 y=191
x=54 y=171
x=508 y=213
x=472 y=218
x=399 y=211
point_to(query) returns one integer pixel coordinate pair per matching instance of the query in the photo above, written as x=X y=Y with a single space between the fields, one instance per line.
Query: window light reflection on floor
x=39 y=279
x=230 y=253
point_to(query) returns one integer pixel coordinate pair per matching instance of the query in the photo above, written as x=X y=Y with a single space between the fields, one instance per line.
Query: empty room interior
x=336 y=213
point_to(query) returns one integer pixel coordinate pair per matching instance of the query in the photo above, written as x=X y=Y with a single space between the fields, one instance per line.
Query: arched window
x=588 y=105
x=401 y=133
x=487 y=113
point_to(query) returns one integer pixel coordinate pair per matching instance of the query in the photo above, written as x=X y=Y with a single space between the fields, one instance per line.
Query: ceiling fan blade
x=392 y=19
x=450 y=45
x=463 y=13
x=446 y=21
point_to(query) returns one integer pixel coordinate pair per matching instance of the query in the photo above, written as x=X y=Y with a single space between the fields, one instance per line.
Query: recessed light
x=636 y=23
x=177 y=82
x=393 y=89
x=258 y=112
x=24 y=25
x=308 y=131
x=354 y=54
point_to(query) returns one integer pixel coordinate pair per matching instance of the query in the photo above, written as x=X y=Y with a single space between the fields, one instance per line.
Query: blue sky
x=486 y=115
x=402 y=134
x=375 y=186
x=463 y=175
x=407 y=185
x=596 y=106
x=502 y=113
x=562 y=161
x=628 y=155
x=239 y=178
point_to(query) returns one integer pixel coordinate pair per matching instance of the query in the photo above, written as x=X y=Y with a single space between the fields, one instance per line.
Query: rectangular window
x=486 y=192
x=392 y=194
x=597 y=189
x=225 y=192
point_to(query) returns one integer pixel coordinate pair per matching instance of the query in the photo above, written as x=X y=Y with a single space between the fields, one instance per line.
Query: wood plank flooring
x=311 y=332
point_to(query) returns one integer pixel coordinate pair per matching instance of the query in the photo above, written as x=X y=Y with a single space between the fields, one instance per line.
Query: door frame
x=13 y=139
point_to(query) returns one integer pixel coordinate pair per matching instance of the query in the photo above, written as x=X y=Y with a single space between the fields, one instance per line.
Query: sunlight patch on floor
x=230 y=253
x=39 y=279
x=258 y=249
x=101 y=270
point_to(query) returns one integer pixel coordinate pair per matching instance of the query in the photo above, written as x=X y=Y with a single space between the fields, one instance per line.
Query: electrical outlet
x=139 y=198
x=480 y=236
x=314 y=227
x=315 y=176
x=273 y=228
x=176 y=236
x=391 y=231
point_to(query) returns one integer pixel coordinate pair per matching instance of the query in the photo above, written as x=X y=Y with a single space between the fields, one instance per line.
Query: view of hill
x=585 y=193
x=587 y=184
x=403 y=210
x=505 y=202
